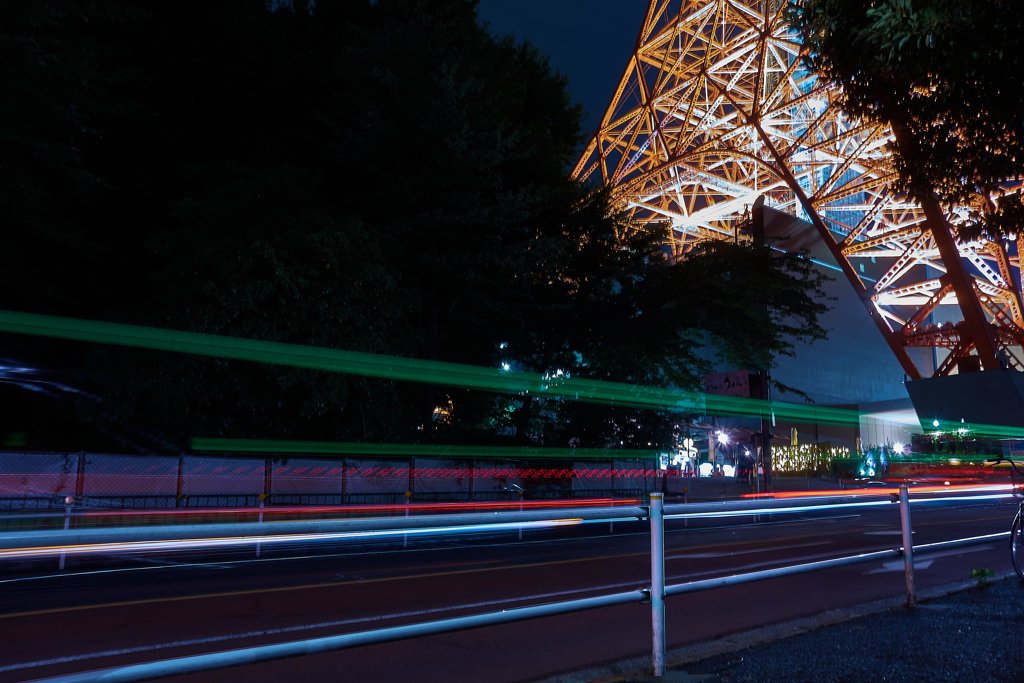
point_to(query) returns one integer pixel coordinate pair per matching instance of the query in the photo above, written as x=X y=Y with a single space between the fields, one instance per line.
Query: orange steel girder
x=715 y=109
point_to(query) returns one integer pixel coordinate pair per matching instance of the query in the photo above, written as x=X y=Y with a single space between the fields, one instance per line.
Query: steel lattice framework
x=715 y=109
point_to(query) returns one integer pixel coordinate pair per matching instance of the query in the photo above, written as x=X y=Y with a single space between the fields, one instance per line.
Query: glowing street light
x=723 y=438
x=897 y=448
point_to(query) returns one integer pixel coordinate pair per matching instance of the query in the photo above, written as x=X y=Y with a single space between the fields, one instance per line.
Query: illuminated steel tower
x=715 y=109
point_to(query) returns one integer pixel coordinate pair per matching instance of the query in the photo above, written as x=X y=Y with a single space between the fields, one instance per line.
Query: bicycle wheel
x=1017 y=545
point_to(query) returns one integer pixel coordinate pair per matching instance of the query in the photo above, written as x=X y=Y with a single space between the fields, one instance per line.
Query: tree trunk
x=523 y=414
x=432 y=342
x=981 y=330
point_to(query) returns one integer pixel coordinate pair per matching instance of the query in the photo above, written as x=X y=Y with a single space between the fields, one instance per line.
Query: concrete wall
x=854 y=365
x=875 y=431
x=992 y=397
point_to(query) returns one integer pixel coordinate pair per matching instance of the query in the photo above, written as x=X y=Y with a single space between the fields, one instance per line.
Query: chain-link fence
x=37 y=483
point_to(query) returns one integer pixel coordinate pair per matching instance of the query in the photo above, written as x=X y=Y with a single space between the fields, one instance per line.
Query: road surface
x=103 y=612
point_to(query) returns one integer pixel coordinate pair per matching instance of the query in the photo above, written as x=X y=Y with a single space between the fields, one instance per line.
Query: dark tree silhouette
x=386 y=177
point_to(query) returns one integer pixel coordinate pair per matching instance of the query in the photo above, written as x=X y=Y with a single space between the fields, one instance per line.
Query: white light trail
x=200 y=543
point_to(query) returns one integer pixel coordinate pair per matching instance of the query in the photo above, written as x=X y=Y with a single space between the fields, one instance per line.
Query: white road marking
x=925 y=560
x=775 y=511
x=785 y=562
x=166 y=563
x=818 y=521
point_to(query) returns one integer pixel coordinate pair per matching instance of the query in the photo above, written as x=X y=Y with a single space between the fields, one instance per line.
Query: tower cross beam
x=714 y=110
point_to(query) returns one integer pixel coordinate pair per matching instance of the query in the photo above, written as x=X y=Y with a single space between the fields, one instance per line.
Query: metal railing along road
x=97 y=532
x=142 y=538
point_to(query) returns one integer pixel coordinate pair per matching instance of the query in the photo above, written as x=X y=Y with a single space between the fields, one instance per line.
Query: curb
x=637 y=669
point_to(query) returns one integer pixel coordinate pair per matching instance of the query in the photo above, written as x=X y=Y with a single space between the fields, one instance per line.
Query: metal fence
x=44 y=481
x=139 y=502
x=51 y=542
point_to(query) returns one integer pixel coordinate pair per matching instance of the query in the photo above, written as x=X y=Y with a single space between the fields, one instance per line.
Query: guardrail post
x=520 y=509
x=908 y=545
x=405 y=537
x=260 y=522
x=180 y=485
x=658 y=583
x=67 y=523
x=80 y=476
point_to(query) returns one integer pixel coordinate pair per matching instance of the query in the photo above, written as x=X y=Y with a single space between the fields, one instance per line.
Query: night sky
x=588 y=40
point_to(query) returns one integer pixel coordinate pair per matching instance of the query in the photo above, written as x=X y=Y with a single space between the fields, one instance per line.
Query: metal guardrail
x=253 y=532
x=41 y=538
x=655 y=594
x=895 y=553
x=266 y=653
x=82 y=538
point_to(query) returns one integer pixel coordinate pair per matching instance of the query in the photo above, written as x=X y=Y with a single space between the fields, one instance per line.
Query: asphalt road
x=102 y=612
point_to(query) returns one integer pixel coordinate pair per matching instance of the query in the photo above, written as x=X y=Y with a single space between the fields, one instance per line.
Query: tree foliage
x=386 y=177
x=946 y=75
x=58 y=77
x=615 y=308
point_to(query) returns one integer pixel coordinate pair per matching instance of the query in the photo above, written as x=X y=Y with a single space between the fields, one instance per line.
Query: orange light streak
x=952 y=488
x=411 y=507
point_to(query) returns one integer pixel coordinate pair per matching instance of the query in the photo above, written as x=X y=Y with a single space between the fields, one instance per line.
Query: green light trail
x=438 y=373
x=402 y=369
x=416 y=450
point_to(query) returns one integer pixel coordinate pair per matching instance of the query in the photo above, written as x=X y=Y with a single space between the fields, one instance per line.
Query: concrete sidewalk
x=960 y=633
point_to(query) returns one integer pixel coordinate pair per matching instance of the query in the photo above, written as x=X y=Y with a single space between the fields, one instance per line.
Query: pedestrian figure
x=748 y=467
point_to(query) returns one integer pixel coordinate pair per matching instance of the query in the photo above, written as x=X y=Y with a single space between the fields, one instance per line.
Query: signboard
x=734 y=383
x=1016 y=449
x=687 y=452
